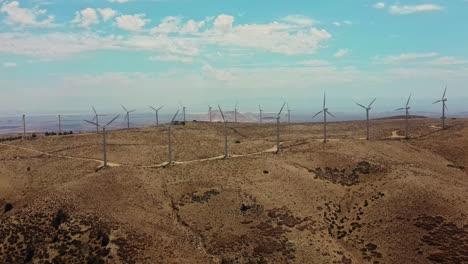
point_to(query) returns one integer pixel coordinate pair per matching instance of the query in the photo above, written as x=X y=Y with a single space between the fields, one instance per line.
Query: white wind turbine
x=127 y=116
x=60 y=123
x=24 y=126
x=325 y=112
x=261 y=113
x=104 y=137
x=183 y=111
x=278 y=117
x=368 y=108
x=444 y=107
x=210 y=113
x=96 y=118
x=235 y=112
x=226 y=152
x=289 y=114
x=156 y=110
x=169 y=134
x=406 y=108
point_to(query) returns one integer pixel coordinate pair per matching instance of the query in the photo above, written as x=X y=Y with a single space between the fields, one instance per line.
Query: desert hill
x=387 y=200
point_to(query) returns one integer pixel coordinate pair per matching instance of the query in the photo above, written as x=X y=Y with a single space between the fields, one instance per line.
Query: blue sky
x=63 y=56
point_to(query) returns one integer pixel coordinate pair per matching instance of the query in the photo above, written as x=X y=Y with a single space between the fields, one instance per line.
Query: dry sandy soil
x=387 y=200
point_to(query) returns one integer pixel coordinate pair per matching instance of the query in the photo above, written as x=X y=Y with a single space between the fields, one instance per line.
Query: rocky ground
x=386 y=200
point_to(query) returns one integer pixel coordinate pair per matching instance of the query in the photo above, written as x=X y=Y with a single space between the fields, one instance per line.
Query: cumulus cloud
x=24 y=17
x=341 y=53
x=379 y=5
x=411 y=9
x=447 y=61
x=223 y=23
x=132 y=22
x=86 y=17
x=192 y=27
x=168 y=25
x=107 y=13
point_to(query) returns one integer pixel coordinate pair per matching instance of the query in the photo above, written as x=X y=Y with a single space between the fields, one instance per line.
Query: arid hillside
x=386 y=200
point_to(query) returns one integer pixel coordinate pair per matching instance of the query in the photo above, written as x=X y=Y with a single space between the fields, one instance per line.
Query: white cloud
x=379 y=5
x=337 y=24
x=446 y=61
x=410 y=9
x=347 y=22
x=405 y=57
x=211 y=73
x=341 y=53
x=223 y=23
x=193 y=27
x=132 y=22
x=107 y=13
x=172 y=58
x=9 y=65
x=314 y=63
x=299 y=20
x=168 y=25
x=25 y=17
x=117 y=1
x=86 y=17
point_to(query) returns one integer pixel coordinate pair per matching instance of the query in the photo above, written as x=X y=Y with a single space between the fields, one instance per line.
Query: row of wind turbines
x=324 y=111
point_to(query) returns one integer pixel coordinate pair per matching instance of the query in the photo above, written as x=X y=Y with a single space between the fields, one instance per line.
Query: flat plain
x=386 y=200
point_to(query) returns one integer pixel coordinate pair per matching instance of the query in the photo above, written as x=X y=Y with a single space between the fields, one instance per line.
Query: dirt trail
x=160 y=165
x=395 y=135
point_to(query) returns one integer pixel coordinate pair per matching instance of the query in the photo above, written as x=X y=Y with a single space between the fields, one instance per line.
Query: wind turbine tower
x=209 y=113
x=235 y=112
x=289 y=114
x=104 y=137
x=226 y=151
x=169 y=134
x=368 y=108
x=444 y=107
x=60 y=123
x=24 y=126
x=261 y=113
x=406 y=108
x=325 y=112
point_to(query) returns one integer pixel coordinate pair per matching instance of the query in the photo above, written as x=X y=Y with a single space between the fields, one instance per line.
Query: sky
x=62 y=56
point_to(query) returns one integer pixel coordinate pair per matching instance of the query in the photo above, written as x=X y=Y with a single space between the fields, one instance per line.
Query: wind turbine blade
x=409 y=98
x=222 y=114
x=446 y=107
x=132 y=111
x=330 y=114
x=317 y=114
x=94 y=118
x=112 y=120
x=160 y=108
x=94 y=110
x=437 y=102
x=281 y=109
x=399 y=109
x=372 y=102
x=124 y=108
x=153 y=108
x=91 y=122
x=270 y=117
x=361 y=105
x=172 y=121
x=443 y=96
x=324 y=96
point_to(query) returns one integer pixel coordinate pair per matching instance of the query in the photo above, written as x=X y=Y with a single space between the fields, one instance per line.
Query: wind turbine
x=127 y=116
x=226 y=153
x=209 y=112
x=289 y=114
x=444 y=107
x=277 y=128
x=406 y=108
x=96 y=118
x=183 y=111
x=169 y=133
x=235 y=112
x=24 y=126
x=60 y=123
x=261 y=113
x=104 y=137
x=157 y=112
x=367 y=115
x=325 y=112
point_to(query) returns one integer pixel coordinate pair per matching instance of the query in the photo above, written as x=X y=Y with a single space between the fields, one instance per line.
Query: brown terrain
x=387 y=200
